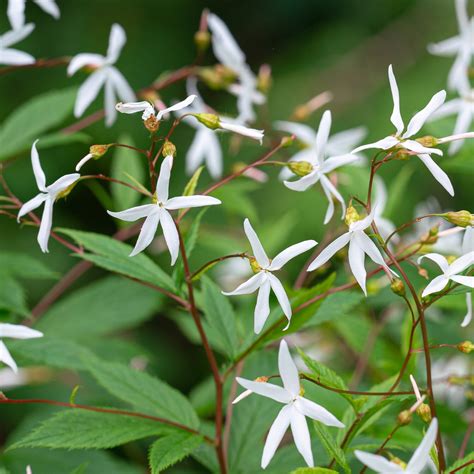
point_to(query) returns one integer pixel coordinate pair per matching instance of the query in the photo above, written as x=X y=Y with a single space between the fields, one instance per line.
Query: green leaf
x=235 y=198
x=126 y=162
x=144 y=392
x=171 y=449
x=313 y=470
x=33 y=119
x=331 y=446
x=190 y=188
x=24 y=266
x=12 y=296
x=113 y=255
x=108 y=305
x=81 y=429
x=461 y=462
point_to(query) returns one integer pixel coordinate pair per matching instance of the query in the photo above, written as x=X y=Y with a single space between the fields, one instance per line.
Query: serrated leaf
x=171 y=449
x=81 y=429
x=113 y=255
x=144 y=392
x=331 y=446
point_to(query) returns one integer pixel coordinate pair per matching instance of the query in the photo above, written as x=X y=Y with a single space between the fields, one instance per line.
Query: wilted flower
x=264 y=279
x=157 y=213
x=47 y=195
x=16 y=11
x=14 y=56
x=295 y=411
x=104 y=74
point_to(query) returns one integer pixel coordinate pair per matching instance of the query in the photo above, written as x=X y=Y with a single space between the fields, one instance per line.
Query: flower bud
x=254 y=265
x=287 y=141
x=209 y=120
x=217 y=77
x=98 y=151
x=300 y=168
x=398 y=287
x=431 y=237
x=424 y=412
x=459 y=218
x=152 y=124
x=169 y=149
x=404 y=417
x=202 y=39
x=428 y=141
x=401 y=155
x=466 y=346
x=351 y=215
x=264 y=78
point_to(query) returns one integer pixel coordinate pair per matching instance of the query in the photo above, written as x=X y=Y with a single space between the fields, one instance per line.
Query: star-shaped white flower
x=105 y=74
x=14 y=56
x=402 y=138
x=16 y=11
x=322 y=166
x=47 y=195
x=228 y=52
x=360 y=244
x=15 y=331
x=264 y=280
x=295 y=411
x=461 y=46
x=157 y=213
x=418 y=462
x=451 y=272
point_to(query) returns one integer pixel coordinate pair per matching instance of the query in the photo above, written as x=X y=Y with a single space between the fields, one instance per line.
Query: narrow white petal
x=437 y=173
x=328 y=187
x=213 y=154
x=89 y=91
x=49 y=6
x=365 y=222
x=323 y=135
x=262 y=306
x=461 y=263
x=468 y=240
x=330 y=209
x=448 y=47
x=419 y=119
x=291 y=252
x=171 y=234
x=14 y=57
x=300 y=431
x=256 y=245
x=448 y=108
x=415 y=388
x=83 y=161
x=464 y=280
x=197 y=151
x=6 y=357
x=117 y=40
x=463 y=124
x=31 y=205
x=147 y=232
x=109 y=101
x=343 y=142
x=288 y=371
x=134 y=107
x=378 y=463
x=269 y=390
x=163 y=183
x=303 y=132
x=417 y=147
x=185 y=202
x=440 y=260
x=368 y=247
x=16 y=35
x=281 y=295
x=62 y=184
x=467 y=319
x=305 y=182
x=317 y=412
x=420 y=457
x=276 y=433
x=336 y=161
x=122 y=87
x=46 y=224
x=180 y=105
x=437 y=284
x=396 y=117
x=241 y=130
x=356 y=262
x=18 y=331
x=329 y=251
x=37 y=170
x=134 y=213
x=16 y=13
x=249 y=286
x=383 y=144
x=82 y=60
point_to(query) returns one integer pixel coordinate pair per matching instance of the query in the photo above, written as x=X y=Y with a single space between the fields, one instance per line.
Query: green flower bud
x=300 y=168
x=398 y=287
x=459 y=218
x=209 y=120
x=254 y=265
x=169 y=149
x=428 y=141
x=351 y=215
x=202 y=39
x=98 y=151
x=424 y=412
x=287 y=141
x=466 y=347
x=404 y=417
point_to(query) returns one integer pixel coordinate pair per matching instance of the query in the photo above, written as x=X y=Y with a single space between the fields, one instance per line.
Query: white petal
x=180 y=105
x=330 y=209
x=305 y=182
x=89 y=91
x=185 y=202
x=83 y=161
x=467 y=319
x=380 y=200
x=147 y=232
x=37 y=170
x=463 y=123
x=32 y=204
x=17 y=331
x=464 y=280
x=288 y=371
x=303 y=132
x=419 y=119
x=109 y=101
x=462 y=15
x=213 y=154
x=420 y=457
x=437 y=284
x=448 y=108
x=281 y=295
x=171 y=234
x=262 y=306
x=440 y=260
x=336 y=161
x=122 y=87
x=415 y=388
x=49 y=6
x=328 y=187
x=275 y=435
x=417 y=147
x=343 y=142
x=322 y=135
x=16 y=13
x=384 y=144
x=300 y=431
x=329 y=251
x=256 y=245
x=468 y=240
x=378 y=463
x=365 y=222
x=6 y=357
x=242 y=130
x=62 y=184
x=134 y=107
x=117 y=40
x=448 y=47
x=269 y=390
x=366 y=244
x=134 y=213
x=249 y=286
x=396 y=117
x=461 y=263
x=82 y=60
x=14 y=57
x=317 y=412
x=197 y=151
x=437 y=173
x=163 y=183
x=291 y=252
x=356 y=262
x=46 y=224
x=16 y=35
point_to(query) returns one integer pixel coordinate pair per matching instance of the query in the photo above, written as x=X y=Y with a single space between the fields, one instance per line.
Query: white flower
x=16 y=11
x=384 y=225
x=14 y=56
x=229 y=54
x=461 y=46
x=402 y=138
x=418 y=462
x=15 y=331
x=264 y=280
x=295 y=411
x=105 y=74
x=148 y=109
x=47 y=195
x=321 y=166
x=445 y=368
x=451 y=272
x=235 y=127
x=468 y=246
x=360 y=244
x=157 y=213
